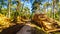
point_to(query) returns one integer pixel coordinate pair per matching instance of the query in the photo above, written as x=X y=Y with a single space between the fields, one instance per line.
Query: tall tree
x=9 y=8
x=35 y=6
x=18 y=7
x=22 y=5
x=17 y=12
x=54 y=3
x=1 y=5
x=45 y=6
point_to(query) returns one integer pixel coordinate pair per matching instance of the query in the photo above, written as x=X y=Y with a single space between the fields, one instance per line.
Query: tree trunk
x=18 y=7
x=44 y=10
x=17 y=11
x=9 y=8
x=0 y=9
x=53 y=9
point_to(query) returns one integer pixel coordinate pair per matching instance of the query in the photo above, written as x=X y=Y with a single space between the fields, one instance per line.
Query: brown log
x=46 y=22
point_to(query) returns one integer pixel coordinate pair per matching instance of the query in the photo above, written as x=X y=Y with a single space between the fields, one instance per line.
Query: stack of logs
x=45 y=22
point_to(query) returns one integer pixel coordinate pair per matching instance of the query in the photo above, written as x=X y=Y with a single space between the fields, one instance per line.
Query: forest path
x=25 y=30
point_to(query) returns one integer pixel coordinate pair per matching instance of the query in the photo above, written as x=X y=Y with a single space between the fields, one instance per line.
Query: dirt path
x=25 y=30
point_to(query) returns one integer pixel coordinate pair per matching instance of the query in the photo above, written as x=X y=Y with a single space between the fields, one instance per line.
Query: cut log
x=48 y=24
x=53 y=30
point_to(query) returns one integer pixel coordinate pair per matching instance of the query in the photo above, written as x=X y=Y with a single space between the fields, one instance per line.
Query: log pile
x=48 y=24
x=22 y=19
x=4 y=22
x=7 y=26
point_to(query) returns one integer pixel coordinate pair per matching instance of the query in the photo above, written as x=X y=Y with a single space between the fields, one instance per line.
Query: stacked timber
x=45 y=22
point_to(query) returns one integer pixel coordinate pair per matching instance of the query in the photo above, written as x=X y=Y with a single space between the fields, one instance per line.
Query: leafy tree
x=35 y=6
x=46 y=6
x=54 y=3
x=18 y=6
x=26 y=12
x=1 y=5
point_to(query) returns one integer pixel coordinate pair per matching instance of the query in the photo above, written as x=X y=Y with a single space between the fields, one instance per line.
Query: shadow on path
x=12 y=30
